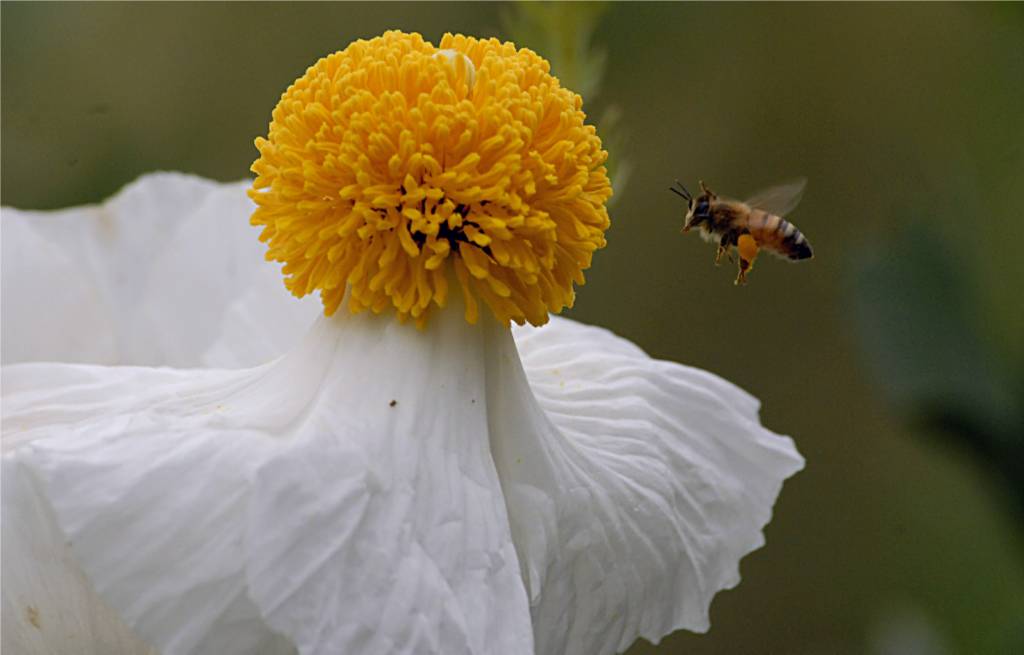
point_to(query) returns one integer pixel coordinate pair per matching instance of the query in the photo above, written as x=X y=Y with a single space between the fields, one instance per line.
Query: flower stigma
x=456 y=59
x=393 y=167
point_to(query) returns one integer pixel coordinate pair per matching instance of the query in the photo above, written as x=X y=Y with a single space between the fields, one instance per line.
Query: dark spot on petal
x=32 y=614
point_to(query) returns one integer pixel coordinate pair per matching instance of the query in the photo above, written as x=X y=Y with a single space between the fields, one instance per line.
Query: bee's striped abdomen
x=776 y=234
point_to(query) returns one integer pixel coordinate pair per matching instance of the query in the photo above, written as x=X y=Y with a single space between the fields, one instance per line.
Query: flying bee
x=749 y=226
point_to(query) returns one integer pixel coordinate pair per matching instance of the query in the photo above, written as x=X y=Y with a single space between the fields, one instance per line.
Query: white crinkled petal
x=146 y=278
x=149 y=483
x=634 y=487
x=260 y=325
x=49 y=608
x=43 y=290
x=212 y=509
x=384 y=529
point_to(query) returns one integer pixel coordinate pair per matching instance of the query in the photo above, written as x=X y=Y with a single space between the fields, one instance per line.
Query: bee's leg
x=724 y=245
x=747 y=247
x=741 y=276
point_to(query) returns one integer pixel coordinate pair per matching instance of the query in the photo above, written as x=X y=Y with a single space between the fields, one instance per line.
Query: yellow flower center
x=392 y=162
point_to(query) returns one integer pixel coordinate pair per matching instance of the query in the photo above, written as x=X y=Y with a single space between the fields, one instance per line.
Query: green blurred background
x=895 y=358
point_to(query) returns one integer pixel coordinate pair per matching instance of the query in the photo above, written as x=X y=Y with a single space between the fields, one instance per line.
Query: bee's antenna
x=684 y=193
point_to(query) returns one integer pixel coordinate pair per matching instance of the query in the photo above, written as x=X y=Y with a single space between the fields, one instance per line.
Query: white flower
x=575 y=500
x=370 y=487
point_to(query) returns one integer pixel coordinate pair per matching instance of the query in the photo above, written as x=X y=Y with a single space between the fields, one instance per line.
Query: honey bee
x=749 y=226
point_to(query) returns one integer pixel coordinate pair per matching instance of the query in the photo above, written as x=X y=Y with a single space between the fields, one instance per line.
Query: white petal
x=215 y=263
x=127 y=272
x=403 y=542
x=150 y=487
x=259 y=325
x=633 y=489
x=43 y=291
x=210 y=507
x=48 y=605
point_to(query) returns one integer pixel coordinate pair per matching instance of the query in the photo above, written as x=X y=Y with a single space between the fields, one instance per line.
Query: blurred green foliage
x=899 y=115
x=913 y=302
x=564 y=33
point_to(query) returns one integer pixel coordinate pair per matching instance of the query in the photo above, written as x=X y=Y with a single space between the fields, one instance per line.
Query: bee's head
x=698 y=209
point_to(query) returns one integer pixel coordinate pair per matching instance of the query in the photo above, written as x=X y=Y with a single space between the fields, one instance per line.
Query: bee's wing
x=780 y=200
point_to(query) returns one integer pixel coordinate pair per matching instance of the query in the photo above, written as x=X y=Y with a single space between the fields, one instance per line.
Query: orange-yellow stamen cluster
x=392 y=165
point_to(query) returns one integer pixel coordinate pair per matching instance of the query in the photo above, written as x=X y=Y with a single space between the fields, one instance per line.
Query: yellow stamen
x=392 y=161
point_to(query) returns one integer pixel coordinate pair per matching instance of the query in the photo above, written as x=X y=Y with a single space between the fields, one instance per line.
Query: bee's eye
x=702 y=207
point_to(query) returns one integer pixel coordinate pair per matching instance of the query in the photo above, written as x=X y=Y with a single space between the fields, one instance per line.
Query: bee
x=749 y=226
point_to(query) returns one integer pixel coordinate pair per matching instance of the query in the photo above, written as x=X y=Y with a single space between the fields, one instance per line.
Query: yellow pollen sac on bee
x=393 y=168
x=747 y=247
